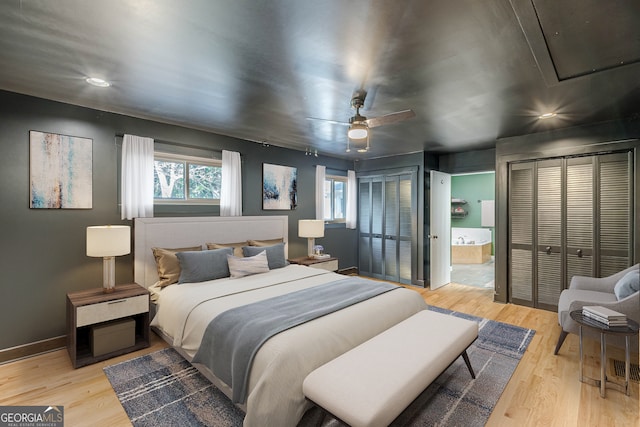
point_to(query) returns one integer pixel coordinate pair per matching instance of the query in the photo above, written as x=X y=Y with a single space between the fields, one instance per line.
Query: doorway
x=473 y=229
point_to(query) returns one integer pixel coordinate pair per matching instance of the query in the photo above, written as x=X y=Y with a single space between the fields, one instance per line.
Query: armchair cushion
x=628 y=285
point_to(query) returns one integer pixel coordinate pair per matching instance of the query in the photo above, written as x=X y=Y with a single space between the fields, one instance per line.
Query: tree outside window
x=186 y=180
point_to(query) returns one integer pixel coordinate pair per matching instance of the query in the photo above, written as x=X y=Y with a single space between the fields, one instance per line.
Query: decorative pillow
x=203 y=265
x=628 y=285
x=240 y=267
x=237 y=247
x=265 y=242
x=168 y=265
x=275 y=254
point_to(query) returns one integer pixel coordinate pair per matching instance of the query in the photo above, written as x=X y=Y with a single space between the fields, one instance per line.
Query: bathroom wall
x=473 y=188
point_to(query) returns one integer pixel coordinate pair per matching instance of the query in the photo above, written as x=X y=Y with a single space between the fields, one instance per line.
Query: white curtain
x=231 y=192
x=320 y=176
x=137 y=177
x=352 y=197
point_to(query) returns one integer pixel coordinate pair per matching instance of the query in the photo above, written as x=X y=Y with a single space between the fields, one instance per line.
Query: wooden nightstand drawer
x=109 y=310
x=331 y=265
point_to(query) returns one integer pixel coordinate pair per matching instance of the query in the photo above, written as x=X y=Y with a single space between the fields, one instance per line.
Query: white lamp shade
x=311 y=228
x=108 y=240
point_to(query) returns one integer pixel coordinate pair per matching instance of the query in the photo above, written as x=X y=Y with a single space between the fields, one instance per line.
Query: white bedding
x=280 y=366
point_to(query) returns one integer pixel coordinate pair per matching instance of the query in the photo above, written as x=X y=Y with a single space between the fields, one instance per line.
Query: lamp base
x=108 y=274
x=311 y=241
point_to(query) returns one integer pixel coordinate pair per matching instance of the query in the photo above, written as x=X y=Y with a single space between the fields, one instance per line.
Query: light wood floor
x=544 y=390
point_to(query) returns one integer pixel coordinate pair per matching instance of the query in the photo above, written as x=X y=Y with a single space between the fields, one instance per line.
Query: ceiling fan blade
x=390 y=118
x=335 y=122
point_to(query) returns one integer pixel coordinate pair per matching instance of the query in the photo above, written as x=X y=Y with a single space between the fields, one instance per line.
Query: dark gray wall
x=467 y=162
x=43 y=250
x=596 y=138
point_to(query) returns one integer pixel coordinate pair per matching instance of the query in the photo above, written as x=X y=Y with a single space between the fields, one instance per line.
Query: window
x=335 y=198
x=186 y=180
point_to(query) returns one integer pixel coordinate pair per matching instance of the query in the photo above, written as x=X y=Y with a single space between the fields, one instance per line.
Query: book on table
x=605 y=315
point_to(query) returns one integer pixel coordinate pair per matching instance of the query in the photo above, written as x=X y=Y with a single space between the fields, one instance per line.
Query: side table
x=93 y=307
x=627 y=331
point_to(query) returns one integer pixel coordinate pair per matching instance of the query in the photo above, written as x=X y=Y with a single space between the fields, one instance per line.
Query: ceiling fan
x=359 y=125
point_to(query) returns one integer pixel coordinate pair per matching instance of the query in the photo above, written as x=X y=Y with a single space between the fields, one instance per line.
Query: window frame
x=186 y=160
x=344 y=181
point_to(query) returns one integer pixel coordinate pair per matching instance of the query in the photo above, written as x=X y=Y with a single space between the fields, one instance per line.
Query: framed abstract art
x=279 y=187
x=60 y=171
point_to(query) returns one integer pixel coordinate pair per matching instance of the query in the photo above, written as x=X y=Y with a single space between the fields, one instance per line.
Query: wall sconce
x=108 y=241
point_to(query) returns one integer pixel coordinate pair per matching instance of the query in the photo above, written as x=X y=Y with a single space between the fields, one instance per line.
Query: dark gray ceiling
x=472 y=70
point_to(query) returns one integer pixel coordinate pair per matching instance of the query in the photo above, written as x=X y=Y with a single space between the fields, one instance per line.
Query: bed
x=184 y=312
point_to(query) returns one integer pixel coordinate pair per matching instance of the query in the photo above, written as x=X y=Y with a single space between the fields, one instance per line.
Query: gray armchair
x=584 y=291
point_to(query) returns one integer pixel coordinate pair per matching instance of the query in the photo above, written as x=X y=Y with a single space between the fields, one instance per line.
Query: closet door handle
x=579 y=253
x=548 y=249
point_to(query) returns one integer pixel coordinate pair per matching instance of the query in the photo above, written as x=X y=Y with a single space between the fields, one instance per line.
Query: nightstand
x=91 y=310
x=330 y=264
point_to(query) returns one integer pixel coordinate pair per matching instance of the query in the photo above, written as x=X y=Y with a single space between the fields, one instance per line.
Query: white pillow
x=240 y=267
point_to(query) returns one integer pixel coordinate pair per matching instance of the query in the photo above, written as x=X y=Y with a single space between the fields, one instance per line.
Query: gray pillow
x=628 y=285
x=199 y=266
x=240 y=267
x=275 y=254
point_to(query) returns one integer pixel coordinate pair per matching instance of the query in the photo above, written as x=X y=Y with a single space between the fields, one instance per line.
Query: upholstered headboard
x=177 y=232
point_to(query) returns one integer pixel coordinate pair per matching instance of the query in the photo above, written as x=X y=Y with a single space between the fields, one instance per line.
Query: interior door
x=440 y=237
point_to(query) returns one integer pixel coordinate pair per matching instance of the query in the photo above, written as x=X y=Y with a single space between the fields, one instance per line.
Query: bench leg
x=465 y=356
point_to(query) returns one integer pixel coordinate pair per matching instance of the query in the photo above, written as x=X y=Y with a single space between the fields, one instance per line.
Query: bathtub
x=470 y=245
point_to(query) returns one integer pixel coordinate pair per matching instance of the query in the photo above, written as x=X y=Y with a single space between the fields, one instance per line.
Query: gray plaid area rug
x=162 y=388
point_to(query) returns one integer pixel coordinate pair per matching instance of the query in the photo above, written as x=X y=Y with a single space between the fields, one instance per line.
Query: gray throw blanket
x=233 y=338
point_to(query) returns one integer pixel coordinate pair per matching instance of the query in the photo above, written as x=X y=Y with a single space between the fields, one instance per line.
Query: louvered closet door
x=388 y=227
x=364 y=225
x=391 y=216
x=615 y=212
x=371 y=209
x=549 y=186
x=521 y=232
x=580 y=217
x=377 y=218
x=398 y=229
x=407 y=229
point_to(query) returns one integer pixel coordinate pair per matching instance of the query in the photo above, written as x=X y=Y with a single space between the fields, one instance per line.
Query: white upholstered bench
x=374 y=382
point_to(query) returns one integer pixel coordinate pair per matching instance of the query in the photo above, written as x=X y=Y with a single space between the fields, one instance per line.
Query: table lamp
x=310 y=228
x=108 y=241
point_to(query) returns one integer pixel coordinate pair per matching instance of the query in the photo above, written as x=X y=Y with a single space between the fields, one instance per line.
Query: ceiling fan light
x=357 y=131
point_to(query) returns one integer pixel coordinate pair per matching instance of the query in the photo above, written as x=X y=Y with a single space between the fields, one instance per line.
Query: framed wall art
x=279 y=187
x=60 y=171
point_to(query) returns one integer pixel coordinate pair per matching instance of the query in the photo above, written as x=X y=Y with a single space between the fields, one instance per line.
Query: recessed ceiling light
x=547 y=116
x=95 y=81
